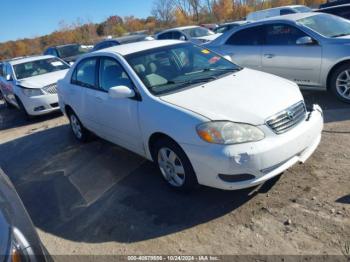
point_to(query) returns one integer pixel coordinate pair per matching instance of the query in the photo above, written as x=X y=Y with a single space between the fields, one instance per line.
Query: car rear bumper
x=245 y=165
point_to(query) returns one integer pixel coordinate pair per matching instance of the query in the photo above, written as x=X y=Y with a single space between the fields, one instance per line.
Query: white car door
x=282 y=56
x=116 y=118
x=244 y=47
x=82 y=83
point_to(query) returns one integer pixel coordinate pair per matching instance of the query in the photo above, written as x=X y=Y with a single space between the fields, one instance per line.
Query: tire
x=174 y=166
x=340 y=82
x=79 y=131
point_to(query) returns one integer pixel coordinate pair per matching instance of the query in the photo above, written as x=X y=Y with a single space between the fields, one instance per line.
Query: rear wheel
x=174 y=165
x=79 y=131
x=340 y=82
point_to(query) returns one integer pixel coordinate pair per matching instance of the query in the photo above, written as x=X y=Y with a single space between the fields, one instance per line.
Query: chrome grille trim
x=50 y=89
x=287 y=119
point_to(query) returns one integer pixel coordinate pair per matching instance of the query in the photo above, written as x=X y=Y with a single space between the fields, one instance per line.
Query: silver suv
x=310 y=49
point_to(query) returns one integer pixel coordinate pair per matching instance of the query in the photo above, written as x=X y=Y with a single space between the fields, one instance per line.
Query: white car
x=30 y=83
x=195 y=34
x=277 y=11
x=199 y=117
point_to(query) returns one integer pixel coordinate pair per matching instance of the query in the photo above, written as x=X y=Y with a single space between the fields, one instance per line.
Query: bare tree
x=163 y=10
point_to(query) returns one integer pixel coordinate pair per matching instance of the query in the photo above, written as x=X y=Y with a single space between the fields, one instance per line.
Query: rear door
x=83 y=82
x=282 y=56
x=244 y=47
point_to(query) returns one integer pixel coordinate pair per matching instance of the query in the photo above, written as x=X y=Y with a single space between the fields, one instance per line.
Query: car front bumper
x=40 y=105
x=246 y=165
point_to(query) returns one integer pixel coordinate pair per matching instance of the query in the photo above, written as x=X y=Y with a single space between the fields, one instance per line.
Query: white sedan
x=199 y=117
x=29 y=83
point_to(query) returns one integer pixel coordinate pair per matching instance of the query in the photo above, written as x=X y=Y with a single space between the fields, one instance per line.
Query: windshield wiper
x=187 y=82
x=220 y=69
x=340 y=35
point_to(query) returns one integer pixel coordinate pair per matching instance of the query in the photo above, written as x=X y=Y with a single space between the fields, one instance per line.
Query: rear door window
x=250 y=37
x=85 y=73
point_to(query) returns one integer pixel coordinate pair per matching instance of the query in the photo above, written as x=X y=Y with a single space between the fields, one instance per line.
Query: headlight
x=225 y=132
x=32 y=91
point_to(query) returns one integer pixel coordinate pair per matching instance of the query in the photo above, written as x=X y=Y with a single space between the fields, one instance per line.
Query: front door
x=117 y=118
x=282 y=56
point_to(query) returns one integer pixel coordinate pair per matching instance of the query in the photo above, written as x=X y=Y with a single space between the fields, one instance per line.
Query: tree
x=163 y=10
x=223 y=10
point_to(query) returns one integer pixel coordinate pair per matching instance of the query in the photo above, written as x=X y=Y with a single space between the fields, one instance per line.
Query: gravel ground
x=97 y=198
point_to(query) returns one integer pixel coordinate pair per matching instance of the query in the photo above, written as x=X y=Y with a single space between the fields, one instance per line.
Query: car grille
x=51 y=89
x=287 y=119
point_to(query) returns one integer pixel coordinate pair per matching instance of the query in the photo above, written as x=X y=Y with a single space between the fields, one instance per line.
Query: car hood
x=247 y=96
x=42 y=80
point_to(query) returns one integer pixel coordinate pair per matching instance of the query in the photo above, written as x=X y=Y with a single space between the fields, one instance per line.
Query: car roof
x=127 y=38
x=63 y=45
x=241 y=22
x=291 y=17
x=29 y=59
x=280 y=7
x=139 y=46
x=179 y=28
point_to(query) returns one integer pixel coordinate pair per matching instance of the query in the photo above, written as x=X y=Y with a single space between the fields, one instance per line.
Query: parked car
x=1 y=72
x=199 y=117
x=310 y=49
x=19 y=240
x=209 y=26
x=339 y=10
x=121 y=40
x=30 y=83
x=196 y=34
x=334 y=3
x=68 y=53
x=229 y=26
x=277 y=11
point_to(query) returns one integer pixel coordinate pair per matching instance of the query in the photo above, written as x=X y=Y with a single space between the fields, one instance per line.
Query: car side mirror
x=9 y=78
x=121 y=92
x=305 y=40
x=71 y=63
x=182 y=38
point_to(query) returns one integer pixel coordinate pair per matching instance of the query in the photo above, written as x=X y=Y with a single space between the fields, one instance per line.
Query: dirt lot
x=97 y=198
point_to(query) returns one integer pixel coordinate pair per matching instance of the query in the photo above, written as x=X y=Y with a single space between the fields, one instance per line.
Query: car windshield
x=327 y=25
x=171 y=68
x=38 y=67
x=71 y=50
x=198 y=32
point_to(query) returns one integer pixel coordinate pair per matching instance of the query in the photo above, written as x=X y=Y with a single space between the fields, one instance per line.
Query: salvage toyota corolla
x=199 y=117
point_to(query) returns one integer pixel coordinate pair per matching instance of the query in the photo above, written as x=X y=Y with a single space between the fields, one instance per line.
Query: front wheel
x=79 y=131
x=174 y=165
x=340 y=83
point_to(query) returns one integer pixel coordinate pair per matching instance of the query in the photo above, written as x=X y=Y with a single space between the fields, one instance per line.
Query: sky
x=31 y=18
